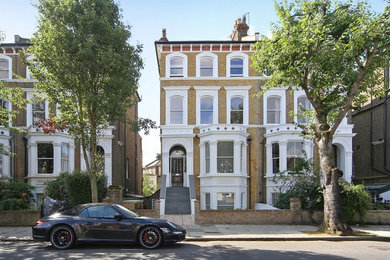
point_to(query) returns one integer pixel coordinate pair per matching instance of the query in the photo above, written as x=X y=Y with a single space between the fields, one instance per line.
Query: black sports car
x=105 y=222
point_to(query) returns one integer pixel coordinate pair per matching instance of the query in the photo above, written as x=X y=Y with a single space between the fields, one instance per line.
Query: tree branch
x=354 y=89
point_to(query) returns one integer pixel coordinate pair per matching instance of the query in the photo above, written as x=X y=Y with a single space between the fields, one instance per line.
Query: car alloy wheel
x=150 y=237
x=62 y=237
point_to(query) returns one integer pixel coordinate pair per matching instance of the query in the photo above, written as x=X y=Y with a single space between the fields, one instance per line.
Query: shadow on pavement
x=33 y=250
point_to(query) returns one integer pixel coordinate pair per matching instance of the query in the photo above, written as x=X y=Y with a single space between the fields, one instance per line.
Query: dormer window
x=5 y=67
x=176 y=65
x=236 y=67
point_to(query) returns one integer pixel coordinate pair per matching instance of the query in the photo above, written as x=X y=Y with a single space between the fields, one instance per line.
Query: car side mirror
x=118 y=216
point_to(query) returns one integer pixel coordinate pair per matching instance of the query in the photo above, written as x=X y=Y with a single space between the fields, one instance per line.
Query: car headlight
x=166 y=230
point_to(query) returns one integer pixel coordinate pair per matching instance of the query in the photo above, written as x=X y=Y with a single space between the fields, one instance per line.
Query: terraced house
x=220 y=143
x=40 y=157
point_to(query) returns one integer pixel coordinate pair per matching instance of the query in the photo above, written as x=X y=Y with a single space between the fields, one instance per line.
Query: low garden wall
x=18 y=217
x=294 y=216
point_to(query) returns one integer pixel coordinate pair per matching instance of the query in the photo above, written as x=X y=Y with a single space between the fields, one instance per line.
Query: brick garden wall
x=18 y=217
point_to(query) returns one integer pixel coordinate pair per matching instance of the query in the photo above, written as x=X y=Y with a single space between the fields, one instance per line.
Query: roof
x=153 y=164
x=203 y=42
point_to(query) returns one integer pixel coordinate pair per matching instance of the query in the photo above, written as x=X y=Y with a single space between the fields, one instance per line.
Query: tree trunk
x=94 y=188
x=91 y=175
x=334 y=220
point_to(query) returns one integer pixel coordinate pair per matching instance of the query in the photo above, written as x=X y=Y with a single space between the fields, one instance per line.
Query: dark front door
x=177 y=170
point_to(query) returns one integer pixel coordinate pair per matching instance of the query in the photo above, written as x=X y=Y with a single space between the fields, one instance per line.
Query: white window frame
x=238 y=91
x=281 y=93
x=65 y=159
x=239 y=55
x=232 y=157
x=176 y=91
x=207 y=91
x=168 y=64
x=29 y=117
x=28 y=73
x=298 y=94
x=9 y=59
x=211 y=55
x=295 y=155
x=53 y=158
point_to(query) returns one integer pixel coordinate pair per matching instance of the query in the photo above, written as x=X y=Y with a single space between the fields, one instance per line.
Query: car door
x=102 y=225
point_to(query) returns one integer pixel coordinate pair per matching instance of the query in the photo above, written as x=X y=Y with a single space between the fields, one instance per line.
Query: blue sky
x=183 y=19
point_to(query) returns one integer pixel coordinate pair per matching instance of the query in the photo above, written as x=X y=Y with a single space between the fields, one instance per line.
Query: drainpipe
x=25 y=141
x=249 y=141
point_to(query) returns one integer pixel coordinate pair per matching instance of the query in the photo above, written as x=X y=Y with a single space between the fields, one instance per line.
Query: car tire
x=62 y=237
x=150 y=237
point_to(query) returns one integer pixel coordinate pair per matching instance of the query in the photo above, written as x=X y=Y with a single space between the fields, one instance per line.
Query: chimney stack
x=240 y=29
x=164 y=36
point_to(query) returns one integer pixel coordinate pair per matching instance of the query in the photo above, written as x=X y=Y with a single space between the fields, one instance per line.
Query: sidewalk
x=243 y=233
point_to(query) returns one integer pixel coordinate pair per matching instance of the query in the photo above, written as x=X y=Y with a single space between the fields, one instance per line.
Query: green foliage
x=15 y=195
x=74 y=187
x=87 y=66
x=355 y=200
x=299 y=182
x=147 y=188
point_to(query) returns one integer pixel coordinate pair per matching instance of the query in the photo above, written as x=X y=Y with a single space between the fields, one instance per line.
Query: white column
x=165 y=168
x=6 y=162
x=190 y=168
x=202 y=159
x=244 y=169
x=71 y=157
x=236 y=157
x=108 y=168
x=348 y=166
x=307 y=147
x=57 y=158
x=213 y=157
x=213 y=200
x=32 y=159
x=282 y=156
x=269 y=159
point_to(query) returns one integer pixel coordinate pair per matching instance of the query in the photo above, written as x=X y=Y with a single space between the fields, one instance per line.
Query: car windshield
x=73 y=211
x=126 y=212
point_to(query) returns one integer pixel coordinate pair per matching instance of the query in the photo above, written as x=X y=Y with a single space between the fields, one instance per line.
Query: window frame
x=207 y=111
x=214 y=58
x=176 y=55
x=171 y=91
x=207 y=91
x=238 y=91
x=279 y=92
x=245 y=66
x=225 y=157
x=9 y=60
x=207 y=157
x=65 y=160
x=171 y=111
x=275 y=159
x=45 y=158
x=297 y=96
x=296 y=156
x=225 y=205
x=240 y=111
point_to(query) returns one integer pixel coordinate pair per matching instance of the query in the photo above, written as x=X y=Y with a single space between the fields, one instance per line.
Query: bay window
x=225 y=158
x=45 y=158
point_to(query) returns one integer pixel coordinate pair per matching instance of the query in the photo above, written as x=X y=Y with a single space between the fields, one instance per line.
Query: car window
x=73 y=211
x=101 y=212
x=84 y=213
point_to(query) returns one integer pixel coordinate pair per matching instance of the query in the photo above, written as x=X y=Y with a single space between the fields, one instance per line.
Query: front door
x=177 y=165
x=177 y=171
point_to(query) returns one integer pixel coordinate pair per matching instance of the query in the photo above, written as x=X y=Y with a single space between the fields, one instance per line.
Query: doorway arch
x=177 y=165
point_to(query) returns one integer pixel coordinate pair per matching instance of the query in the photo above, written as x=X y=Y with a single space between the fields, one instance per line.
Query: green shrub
x=74 y=187
x=15 y=195
x=355 y=199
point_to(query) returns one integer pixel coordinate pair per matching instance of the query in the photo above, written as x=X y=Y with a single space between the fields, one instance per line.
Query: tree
x=87 y=67
x=147 y=188
x=334 y=51
x=13 y=95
